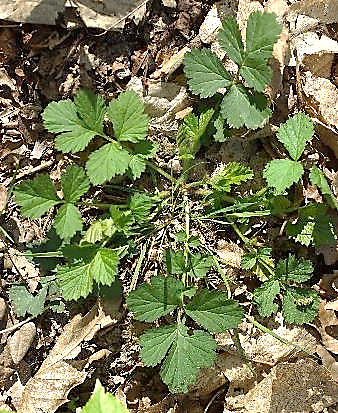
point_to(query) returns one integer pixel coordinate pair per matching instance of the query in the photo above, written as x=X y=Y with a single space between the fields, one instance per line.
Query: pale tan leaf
x=326 y=11
x=20 y=342
x=327 y=329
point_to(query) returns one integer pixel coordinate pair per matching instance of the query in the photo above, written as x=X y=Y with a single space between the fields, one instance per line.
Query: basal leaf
x=317 y=178
x=190 y=133
x=137 y=166
x=230 y=40
x=239 y=108
x=102 y=402
x=99 y=229
x=229 y=174
x=294 y=270
x=221 y=134
x=300 y=306
x=68 y=221
x=260 y=262
x=123 y=219
x=91 y=109
x=282 y=173
x=295 y=133
x=103 y=268
x=199 y=265
x=74 y=183
x=26 y=303
x=187 y=355
x=150 y=302
x=130 y=123
x=213 y=311
x=174 y=261
x=264 y=297
x=141 y=205
x=256 y=72
x=205 y=72
x=107 y=162
x=37 y=196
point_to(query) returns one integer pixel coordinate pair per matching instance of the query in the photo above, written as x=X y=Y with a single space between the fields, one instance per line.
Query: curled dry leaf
x=230 y=253
x=59 y=373
x=20 y=342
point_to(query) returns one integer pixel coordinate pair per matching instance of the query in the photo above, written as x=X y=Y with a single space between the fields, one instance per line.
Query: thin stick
x=9 y=329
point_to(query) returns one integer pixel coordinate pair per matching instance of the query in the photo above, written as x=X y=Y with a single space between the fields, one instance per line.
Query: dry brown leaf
x=326 y=11
x=300 y=387
x=3 y=198
x=328 y=324
x=25 y=268
x=3 y=308
x=230 y=253
x=59 y=373
x=20 y=342
x=210 y=26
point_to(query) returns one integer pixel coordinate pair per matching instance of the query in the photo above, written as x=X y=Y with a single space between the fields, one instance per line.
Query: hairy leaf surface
x=300 y=306
x=282 y=173
x=264 y=297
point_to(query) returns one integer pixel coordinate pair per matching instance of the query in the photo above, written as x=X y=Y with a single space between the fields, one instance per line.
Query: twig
x=9 y=329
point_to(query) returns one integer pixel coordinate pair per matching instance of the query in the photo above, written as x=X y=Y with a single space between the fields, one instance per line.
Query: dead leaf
x=210 y=27
x=230 y=253
x=3 y=198
x=3 y=308
x=59 y=373
x=328 y=325
x=300 y=387
x=20 y=342
x=326 y=11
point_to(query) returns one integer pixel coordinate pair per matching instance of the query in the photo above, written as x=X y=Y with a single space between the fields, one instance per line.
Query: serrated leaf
x=213 y=311
x=77 y=280
x=264 y=297
x=190 y=133
x=174 y=261
x=102 y=402
x=199 y=265
x=99 y=229
x=26 y=303
x=123 y=220
x=127 y=115
x=74 y=183
x=137 y=166
x=317 y=178
x=239 y=108
x=205 y=72
x=150 y=302
x=294 y=270
x=187 y=355
x=221 y=134
x=230 y=40
x=141 y=205
x=282 y=173
x=91 y=109
x=259 y=262
x=107 y=162
x=74 y=134
x=295 y=133
x=300 y=306
x=256 y=72
x=232 y=173
x=68 y=221
x=37 y=196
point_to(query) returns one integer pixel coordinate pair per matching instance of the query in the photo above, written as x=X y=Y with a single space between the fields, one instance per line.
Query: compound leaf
x=264 y=297
x=102 y=402
x=26 y=303
x=230 y=40
x=282 y=173
x=317 y=178
x=294 y=270
x=300 y=306
x=37 y=196
x=130 y=123
x=199 y=265
x=74 y=183
x=256 y=72
x=68 y=221
x=91 y=109
x=190 y=133
x=295 y=133
x=240 y=108
x=123 y=219
x=229 y=174
x=213 y=311
x=205 y=72
x=150 y=302
x=107 y=162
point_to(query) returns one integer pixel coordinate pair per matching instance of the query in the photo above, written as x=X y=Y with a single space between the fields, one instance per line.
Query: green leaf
x=26 y=303
x=259 y=262
x=37 y=196
x=130 y=123
x=102 y=402
x=74 y=183
x=91 y=109
x=213 y=311
x=199 y=265
x=190 y=133
x=77 y=280
x=239 y=108
x=141 y=205
x=68 y=221
x=174 y=261
x=205 y=72
x=150 y=302
x=295 y=133
x=314 y=226
x=294 y=270
x=187 y=354
x=317 y=178
x=75 y=133
x=300 y=306
x=264 y=297
x=256 y=72
x=230 y=40
x=282 y=173
x=99 y=229
x=123 y=220
x=221 y=134
x=107 y=162
x=137 y=166
x=232 y=173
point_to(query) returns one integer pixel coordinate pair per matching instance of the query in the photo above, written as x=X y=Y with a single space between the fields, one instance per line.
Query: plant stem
x=187 y=231
x=160 y=171
x=95 y=204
